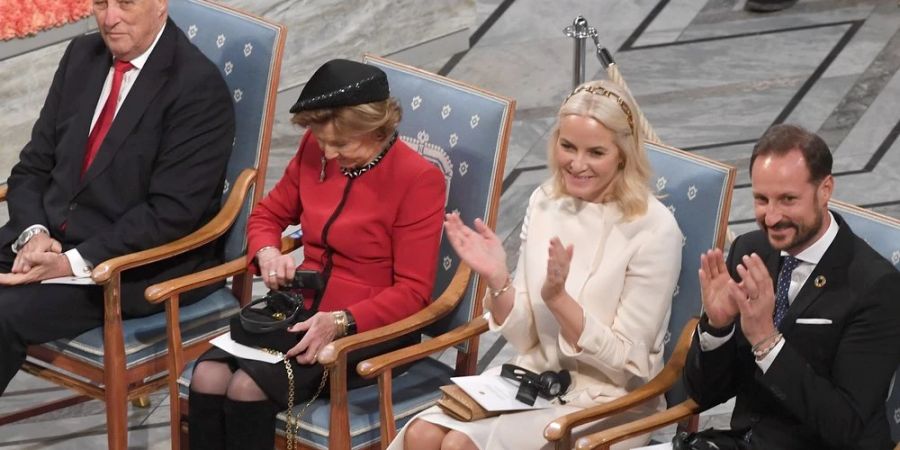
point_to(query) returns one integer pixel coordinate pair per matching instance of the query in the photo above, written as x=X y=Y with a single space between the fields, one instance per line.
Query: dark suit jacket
x=157 y=176
x=827 y=386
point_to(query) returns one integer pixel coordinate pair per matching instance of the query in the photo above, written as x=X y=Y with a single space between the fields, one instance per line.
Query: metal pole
x=579 y=31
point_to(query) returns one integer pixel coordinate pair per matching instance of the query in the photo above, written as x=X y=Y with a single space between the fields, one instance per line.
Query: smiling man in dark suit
x=802 y=323
x=129 y=152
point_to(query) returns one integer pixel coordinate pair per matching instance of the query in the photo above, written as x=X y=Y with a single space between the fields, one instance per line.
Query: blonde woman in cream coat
x=592 y=291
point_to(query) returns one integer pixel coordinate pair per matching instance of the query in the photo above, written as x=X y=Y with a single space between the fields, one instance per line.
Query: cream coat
x=623 y=274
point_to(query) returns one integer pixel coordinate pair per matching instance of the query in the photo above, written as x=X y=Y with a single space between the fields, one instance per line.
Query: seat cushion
x=145 y=337
x=414 y=391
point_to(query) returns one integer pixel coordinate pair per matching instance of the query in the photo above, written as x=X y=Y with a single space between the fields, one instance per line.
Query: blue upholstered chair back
x=698 y=192
x=247 y=51
x=464 y=132
x=883 y=234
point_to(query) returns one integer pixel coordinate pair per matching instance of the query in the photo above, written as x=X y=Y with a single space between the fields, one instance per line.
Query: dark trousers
x=38 y=313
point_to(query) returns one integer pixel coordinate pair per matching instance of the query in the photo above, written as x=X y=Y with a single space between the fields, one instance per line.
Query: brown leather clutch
x=460 y=406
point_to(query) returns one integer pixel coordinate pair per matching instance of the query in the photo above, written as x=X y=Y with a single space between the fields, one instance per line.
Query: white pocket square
x=814 y=321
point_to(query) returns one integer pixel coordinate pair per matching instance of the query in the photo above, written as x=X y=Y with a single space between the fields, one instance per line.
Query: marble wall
x=318 y=30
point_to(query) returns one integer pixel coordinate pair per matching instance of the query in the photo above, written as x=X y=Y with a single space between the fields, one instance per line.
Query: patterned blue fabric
x=781 y=288
x=145 y=338
x=698 y=192
x=243 y=49
x=883 y=234
x=462 y=131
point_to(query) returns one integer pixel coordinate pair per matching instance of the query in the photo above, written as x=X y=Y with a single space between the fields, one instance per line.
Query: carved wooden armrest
x=605 y=438
x=439 y=308
x=159 y=292
x=207 y=233
x=289 y=244
x=167 y=289
x=373 y=367
x=561 y=427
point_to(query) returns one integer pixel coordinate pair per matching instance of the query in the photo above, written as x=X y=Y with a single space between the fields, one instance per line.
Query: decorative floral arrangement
x=21 y=18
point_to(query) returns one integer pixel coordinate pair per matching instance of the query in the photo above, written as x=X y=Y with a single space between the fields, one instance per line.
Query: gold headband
x=597 y=90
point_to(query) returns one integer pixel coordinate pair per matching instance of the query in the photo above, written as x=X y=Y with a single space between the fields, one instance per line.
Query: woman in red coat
x=371 y=212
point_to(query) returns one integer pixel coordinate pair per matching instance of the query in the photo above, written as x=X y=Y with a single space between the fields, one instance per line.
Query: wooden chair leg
x=339 y=433
x=178 y=432
x=117 y=418
x=116 y=390
x=141 y=402
x=386 y=409
x=183 y=428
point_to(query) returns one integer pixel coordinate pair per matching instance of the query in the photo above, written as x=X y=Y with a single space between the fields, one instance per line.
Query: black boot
x=206 y=421
x=251 y=425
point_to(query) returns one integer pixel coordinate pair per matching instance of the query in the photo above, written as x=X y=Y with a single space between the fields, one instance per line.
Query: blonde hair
x=381 y=117
x=614 y=108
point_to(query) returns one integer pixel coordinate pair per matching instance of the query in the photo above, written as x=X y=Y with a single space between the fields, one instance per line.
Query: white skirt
x=522 y=430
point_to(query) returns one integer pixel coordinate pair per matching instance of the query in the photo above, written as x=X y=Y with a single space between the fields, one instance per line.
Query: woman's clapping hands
x=479 y=248
x=558 y=259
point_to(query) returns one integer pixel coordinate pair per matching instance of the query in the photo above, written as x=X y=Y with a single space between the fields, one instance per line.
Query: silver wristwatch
x=26 y=236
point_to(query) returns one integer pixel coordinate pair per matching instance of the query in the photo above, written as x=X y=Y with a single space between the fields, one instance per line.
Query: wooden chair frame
x=685 y=410
x=114 y=383
x=559 y=430
x=334 y=355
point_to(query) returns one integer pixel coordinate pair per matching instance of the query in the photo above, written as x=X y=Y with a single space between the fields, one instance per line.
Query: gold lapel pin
x=820 y=281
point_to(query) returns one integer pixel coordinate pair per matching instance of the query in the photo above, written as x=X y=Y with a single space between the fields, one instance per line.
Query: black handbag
x=264 y=322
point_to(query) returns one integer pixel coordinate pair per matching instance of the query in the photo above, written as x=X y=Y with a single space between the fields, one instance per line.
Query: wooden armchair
x=698 y=191
x=882 y=233
x=126 y=359
x=464 y=131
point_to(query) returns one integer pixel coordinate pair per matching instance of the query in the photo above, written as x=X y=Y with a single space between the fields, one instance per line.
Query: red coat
x=385 y=240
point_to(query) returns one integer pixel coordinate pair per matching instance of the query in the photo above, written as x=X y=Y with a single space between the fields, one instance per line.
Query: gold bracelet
x=498 y=292
x=341 y=322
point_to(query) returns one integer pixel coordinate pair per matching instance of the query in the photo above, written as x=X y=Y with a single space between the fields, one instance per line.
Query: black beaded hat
x=341 y=82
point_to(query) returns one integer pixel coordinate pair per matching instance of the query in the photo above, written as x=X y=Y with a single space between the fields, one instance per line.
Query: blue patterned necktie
x=781 y=289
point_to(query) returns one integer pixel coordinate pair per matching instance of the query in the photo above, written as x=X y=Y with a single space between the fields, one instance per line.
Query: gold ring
x=273 y=273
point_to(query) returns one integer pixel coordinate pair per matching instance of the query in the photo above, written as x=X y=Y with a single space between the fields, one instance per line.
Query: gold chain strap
x=292 y=423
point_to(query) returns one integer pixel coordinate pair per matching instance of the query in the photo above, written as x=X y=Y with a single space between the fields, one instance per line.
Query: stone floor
x=709 y=76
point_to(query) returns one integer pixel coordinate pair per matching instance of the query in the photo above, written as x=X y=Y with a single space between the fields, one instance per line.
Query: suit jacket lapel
x=831 y=266
x=773 y=263
x=93 y=85
x=153 y=76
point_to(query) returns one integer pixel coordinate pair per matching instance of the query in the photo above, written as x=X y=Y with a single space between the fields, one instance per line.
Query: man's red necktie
x=106 y=115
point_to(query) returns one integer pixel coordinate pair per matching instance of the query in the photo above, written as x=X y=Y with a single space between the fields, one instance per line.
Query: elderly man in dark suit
x=802 y=323
x=129 y=152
